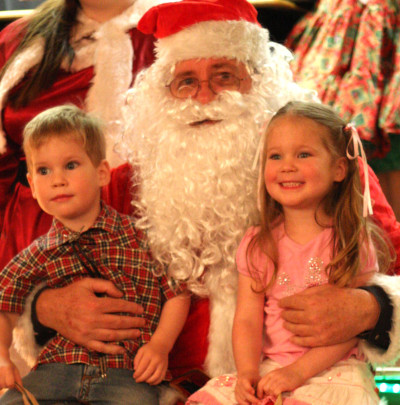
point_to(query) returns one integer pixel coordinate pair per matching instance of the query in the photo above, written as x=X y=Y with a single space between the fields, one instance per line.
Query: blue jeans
x=59 y=383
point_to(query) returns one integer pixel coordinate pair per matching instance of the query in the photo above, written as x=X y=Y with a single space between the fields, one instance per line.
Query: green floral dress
x=349 y=52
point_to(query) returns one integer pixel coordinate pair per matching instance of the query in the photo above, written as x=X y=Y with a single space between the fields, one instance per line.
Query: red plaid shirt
x=120 y=254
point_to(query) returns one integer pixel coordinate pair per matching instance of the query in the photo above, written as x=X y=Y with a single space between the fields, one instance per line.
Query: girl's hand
x=245 y=392
x=9 y=374
x=151 y=362
x=279 y=380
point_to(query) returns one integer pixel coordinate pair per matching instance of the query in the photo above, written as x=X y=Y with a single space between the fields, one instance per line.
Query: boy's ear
x=31 y=185
x=104 y=173
x=341 y=166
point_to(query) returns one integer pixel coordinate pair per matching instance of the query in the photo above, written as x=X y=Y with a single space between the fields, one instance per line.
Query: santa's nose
x=204 y=94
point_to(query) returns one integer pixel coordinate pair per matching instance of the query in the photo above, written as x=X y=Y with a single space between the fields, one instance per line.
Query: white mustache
x=229 y=104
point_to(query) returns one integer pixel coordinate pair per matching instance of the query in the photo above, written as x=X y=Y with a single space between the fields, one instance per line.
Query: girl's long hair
x=52 y=21
x=351 y=231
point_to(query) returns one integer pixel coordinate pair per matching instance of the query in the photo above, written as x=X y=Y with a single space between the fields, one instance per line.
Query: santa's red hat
x=191 y=29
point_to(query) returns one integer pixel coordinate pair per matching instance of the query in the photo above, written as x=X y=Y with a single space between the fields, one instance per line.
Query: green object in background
x=388 y=383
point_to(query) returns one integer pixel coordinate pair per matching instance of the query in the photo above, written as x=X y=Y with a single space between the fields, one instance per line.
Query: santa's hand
x=77 y=313
x=151 y=363
x=327 y=314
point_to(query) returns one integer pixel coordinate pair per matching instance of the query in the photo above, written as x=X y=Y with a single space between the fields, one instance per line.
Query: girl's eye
x=43 y=171
x=71 y=165
x=303 y=155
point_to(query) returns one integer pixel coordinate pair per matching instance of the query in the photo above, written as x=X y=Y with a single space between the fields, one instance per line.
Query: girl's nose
x=288 y=165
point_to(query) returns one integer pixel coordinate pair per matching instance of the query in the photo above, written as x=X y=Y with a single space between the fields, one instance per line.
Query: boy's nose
x=58 y=179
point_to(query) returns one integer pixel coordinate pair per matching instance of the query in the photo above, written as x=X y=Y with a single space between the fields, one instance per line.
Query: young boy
x=65 y=150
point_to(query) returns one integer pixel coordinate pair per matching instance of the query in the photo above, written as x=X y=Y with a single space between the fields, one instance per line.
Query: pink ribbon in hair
x=358 y=150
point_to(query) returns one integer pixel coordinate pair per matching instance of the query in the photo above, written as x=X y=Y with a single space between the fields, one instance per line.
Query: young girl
x=313 y=231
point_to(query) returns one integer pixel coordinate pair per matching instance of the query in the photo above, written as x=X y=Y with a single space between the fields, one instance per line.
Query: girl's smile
x=291 y=184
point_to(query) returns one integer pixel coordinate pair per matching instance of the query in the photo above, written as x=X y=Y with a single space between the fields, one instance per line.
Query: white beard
x=198 y=186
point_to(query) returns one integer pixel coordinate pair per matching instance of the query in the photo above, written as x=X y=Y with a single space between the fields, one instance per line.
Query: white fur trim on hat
x=240 y=40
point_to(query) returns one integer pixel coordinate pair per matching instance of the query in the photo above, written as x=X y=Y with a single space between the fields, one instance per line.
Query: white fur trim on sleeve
x=23 y=334
x=391 y=285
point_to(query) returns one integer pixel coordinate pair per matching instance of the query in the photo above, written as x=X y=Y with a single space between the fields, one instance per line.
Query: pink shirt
x=299 y=267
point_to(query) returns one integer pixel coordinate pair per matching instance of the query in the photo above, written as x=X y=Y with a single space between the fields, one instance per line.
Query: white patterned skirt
x=347 y=382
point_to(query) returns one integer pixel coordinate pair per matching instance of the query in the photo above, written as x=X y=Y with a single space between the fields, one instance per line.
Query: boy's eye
x=43 y=171
x=303 y=155
x=71 y=165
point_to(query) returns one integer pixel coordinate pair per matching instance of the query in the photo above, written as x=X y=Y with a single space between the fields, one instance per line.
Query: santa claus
x=216 y=81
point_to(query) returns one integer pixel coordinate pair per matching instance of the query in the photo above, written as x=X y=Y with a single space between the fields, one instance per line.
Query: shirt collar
x=107 y=221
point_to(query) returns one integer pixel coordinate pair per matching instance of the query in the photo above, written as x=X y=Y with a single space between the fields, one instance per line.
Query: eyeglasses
x=185 y=87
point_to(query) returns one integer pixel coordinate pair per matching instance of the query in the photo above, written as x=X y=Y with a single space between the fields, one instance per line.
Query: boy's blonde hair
x=343 y=204
x=66 y=121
